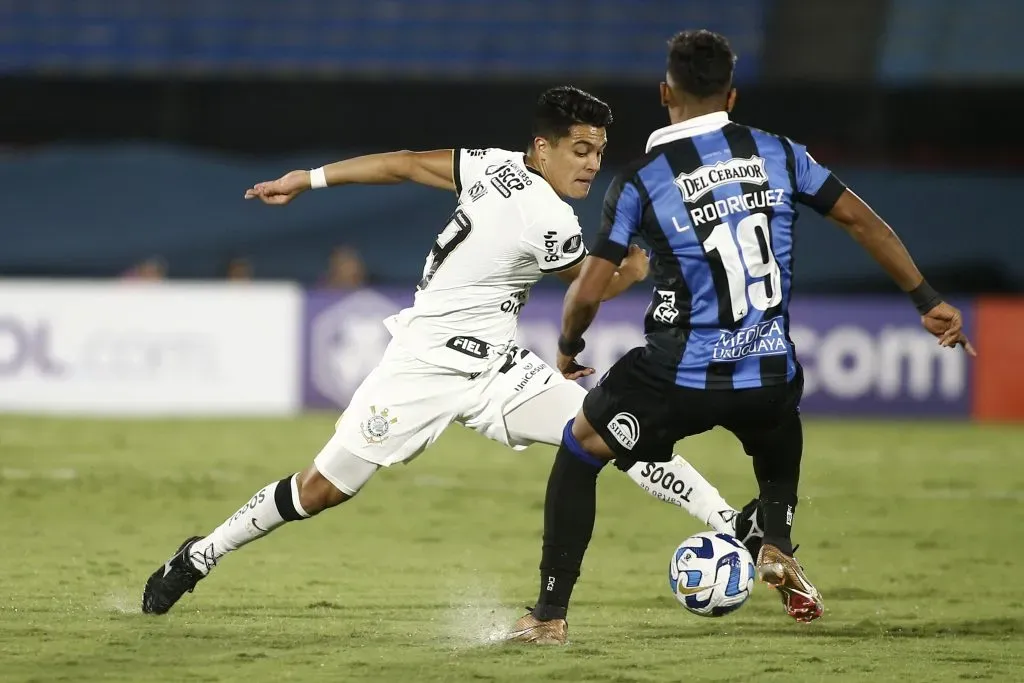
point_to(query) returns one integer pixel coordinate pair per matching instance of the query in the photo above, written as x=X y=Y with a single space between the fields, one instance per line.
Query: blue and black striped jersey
x=716 y=203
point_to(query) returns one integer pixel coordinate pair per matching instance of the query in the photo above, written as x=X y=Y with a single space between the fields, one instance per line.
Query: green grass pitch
x=913 y=532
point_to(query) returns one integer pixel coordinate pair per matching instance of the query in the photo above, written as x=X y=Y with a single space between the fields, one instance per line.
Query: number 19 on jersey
x=753 y=257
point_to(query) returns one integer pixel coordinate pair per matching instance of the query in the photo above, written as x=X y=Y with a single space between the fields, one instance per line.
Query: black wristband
x=925 y=298
x=571 y=348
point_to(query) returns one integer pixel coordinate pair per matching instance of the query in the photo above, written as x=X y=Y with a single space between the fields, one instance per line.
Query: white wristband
x=317 y=178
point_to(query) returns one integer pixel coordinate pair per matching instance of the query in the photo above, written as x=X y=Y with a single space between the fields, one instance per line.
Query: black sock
x=778 y=520
x=778 y=475
x=570 y=507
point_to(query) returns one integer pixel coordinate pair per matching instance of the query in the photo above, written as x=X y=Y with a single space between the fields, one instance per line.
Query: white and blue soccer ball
x=711 y=574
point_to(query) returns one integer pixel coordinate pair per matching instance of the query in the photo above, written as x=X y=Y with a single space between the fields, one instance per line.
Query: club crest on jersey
x=377 y=428
x=706 y=178
x=477 y=191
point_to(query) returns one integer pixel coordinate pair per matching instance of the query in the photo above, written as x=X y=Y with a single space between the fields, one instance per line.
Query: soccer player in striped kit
x=716 y=202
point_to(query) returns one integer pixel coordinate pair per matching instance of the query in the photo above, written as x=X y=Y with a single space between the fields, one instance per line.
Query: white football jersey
x=509 y=229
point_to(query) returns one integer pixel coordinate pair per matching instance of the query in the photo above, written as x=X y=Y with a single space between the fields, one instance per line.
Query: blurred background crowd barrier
x=129 y=132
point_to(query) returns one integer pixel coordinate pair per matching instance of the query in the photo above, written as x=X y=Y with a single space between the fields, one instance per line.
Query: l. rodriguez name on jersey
x=706 y=178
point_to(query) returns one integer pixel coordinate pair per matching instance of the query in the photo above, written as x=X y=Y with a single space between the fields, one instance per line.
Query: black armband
x=925 y=297
x=609 y=250
x=570 y=347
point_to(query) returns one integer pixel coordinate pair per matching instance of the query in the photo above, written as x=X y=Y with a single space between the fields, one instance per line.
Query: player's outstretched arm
x=878 y=239
x=582 y=302
x=434 y=168
x=633 y=269
x=620 y=217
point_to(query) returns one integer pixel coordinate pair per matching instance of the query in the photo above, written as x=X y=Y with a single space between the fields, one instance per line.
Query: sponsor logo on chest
x=706 y=178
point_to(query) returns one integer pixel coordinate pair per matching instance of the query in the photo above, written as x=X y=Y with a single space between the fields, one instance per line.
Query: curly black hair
x=701 y=63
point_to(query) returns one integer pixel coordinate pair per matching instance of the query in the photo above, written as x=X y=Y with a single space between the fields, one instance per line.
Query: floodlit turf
x=912 y=531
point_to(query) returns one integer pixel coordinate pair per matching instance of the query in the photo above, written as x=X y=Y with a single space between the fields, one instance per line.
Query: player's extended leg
x=542 y=418
x=398 y=411
x=570 y=508
x=294 y=498
x=776 y=453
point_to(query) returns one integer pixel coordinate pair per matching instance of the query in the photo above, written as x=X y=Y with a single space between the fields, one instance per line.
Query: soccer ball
x=711 y=574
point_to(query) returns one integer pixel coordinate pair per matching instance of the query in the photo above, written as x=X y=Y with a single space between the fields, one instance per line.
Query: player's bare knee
x=589 y=439
x=316 y=492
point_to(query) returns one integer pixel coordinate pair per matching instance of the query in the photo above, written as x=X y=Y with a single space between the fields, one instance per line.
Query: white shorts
x=404 y=405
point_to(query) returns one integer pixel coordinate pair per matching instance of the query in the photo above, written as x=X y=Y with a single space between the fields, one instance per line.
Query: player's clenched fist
x=282 y=190
x=636 y=265
x=570 y=368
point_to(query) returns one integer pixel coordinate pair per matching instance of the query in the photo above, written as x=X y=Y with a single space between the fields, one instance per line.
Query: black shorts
x=641 y=415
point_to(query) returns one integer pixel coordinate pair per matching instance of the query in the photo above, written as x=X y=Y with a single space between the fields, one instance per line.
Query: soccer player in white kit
x=453 y=357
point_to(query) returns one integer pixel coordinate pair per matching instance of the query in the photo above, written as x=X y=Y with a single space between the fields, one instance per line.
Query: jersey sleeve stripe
x=566 y=266
x=618 y=224
x=622 y=204
x=457 y=169
x=787 y=149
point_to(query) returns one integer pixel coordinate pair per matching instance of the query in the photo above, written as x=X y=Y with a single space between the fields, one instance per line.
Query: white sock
x=272 y=506
x=677 y=482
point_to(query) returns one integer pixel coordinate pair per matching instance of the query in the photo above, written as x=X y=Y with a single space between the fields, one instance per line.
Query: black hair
x=558 y=109
x=701 y=63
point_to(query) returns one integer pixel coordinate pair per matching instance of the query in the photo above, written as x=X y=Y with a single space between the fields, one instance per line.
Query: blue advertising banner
x=861 y=356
